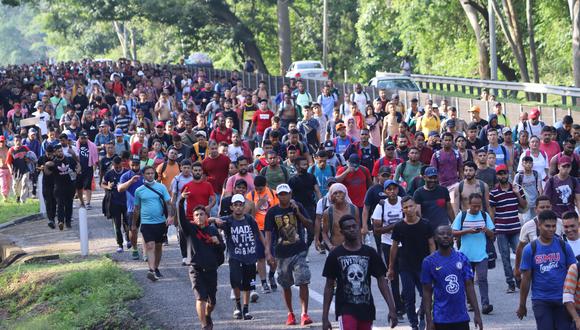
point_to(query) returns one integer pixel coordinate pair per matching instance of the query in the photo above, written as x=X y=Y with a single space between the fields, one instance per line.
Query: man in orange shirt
x=168 y=169
x=263 y=198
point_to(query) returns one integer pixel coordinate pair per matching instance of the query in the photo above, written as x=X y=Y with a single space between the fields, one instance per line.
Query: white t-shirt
x=391 y=215
x=235 y=152
x=528 y=231
x=575 y=245
x=43 y=119
x=361 y=100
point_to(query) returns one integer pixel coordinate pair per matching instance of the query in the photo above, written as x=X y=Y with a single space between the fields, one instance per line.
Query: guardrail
x=464 y=85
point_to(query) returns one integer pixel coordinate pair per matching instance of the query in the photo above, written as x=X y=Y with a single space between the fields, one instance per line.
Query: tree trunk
x=513 y=36
x=284 y=41
x=133 y=44
x=121 y=35
x=482 y=44
x=242 y=34
x=532 y=41
x=576 y=40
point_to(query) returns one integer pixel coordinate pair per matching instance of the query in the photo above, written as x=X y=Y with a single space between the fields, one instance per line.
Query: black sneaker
x=51 y=224
x=151 y=276
x=273 y=284
x=511 y=288
x=158 y=273
x=248 y=316
x=237 y=314
x=486 y=309
x=61 y=225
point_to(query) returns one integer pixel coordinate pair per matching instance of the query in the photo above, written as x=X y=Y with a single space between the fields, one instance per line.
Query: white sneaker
x=232 y=295
x=254 y=296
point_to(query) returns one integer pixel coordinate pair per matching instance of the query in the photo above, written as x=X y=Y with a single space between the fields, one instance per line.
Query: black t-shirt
x=232 y=114
x=433 y=205
x=47 y=179
x=105 y=163
x=352 y=271
x=92 y=129
x=477 y=144
x=241 y=238
x=225 y=209
x=146 y=107
x=303 y=189
x=84 y=157
x=19 y=164
x=183 y=153
x=114 y=177
x=287 y=230
x=165 y=140
x=415 y=245
x=64 y=168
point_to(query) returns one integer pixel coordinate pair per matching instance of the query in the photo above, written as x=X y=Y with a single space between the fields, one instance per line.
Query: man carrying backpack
x=468 y=186
x=474 y=227
x=544 y=266
x=563 y=190
x=339 y=207
x=529 y=181
x=448 y=162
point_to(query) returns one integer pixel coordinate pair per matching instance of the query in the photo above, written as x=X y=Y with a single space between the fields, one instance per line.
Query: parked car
x=307 y=70
x=395 y=82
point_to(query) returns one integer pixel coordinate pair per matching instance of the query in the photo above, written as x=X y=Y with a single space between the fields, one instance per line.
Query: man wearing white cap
x=242 y=235
x=288 y=220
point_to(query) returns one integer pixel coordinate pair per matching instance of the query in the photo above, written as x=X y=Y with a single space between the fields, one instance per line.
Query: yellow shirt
x=429 y=124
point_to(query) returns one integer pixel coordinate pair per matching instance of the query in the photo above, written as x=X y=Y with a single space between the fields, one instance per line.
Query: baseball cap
x=475 y=108
x=32 y=131
x=258 y=152
x=430 y=171
x=435 y=106
x=17 y=106
x=103 y=124
x=238 y=198
x=135 y=159
x=354 y=159
x=49 y=148
x=501 y=168
x=564 y=160
x=388 y=183
x=534 y=113
x=83 y=134
x=433 y=133
x=385 y=169
x=119 y=132
x=506 y=130
x=37 y=104
x=160 y=124
x=201 y=133
x=283 y=188
x=340 y=126
x=328 y=145
x=140 y=130
x=421 y=110
x=2 y=138
x=451 y=123
x=389 y=145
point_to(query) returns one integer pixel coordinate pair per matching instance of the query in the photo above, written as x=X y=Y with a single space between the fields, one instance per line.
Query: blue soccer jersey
x=448 y=276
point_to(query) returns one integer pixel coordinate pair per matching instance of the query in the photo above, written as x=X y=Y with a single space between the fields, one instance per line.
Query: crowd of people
x=412 y=195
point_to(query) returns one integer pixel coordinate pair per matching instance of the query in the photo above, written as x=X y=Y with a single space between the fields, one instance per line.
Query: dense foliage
x=364 y=36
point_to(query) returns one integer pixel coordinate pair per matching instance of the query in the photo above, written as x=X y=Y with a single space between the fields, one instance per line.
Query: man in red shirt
x=198 y=192
x=216 y=167
x=389 y=159
x=221 y=133
x=262 y=119
x=357 y=180
x=551 y=148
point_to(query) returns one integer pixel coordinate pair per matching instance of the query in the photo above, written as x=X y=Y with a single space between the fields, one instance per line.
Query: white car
x=397 y=82
x=307 y=70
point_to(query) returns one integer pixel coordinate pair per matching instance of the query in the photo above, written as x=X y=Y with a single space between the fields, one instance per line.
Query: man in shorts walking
x=242 y=236
x=151 y=201
x=128 y=184
x=286 y=222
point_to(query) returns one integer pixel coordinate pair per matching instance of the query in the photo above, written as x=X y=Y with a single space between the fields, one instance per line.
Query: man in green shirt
x=407 y=171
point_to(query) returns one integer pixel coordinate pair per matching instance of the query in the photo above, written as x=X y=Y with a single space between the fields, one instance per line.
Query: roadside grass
x=71 y=294
x=10 y=210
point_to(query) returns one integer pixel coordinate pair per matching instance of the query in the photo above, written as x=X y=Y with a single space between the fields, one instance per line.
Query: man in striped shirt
x=504 y=201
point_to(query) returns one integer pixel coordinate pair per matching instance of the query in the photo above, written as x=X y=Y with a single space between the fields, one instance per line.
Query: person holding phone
x=473 y=227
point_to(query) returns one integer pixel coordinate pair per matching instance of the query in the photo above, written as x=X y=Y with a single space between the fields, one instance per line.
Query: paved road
x=169 y=303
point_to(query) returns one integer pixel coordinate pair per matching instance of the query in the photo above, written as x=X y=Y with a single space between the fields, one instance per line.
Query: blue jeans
x=216 y=208
x=551 y=314
x=386 y=249
x=504 y=243
x=410 y=281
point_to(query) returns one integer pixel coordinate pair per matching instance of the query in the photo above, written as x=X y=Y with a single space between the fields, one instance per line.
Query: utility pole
x=492 y=41
x=325 y=34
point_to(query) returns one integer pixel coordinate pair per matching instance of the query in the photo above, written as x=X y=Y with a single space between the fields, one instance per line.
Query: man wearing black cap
x=64 y=186
x=333 y=159
x=357 y=180
x=118 y=202
x=46 y=165
x=160 y=135
x=367 y=152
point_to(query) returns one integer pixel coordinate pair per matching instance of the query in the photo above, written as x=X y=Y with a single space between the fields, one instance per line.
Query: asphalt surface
x=169 y=303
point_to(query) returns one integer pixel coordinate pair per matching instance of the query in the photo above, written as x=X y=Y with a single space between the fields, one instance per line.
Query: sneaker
x=129 y=246
x=307 y=260
x=151 y=276
x=305 y=320
x=184 y=261
x=89 y=207
x=254 y=296
x=486 y=309
x=18 y=200
x=158 y=273
x=51 y=224
x=273 y=283
x=61 y=225
x=232 y=295
x=120 y=249
x=145 y=257
x=266 y=288
x=291 y=320
x=209 y=321
x=135 y=255
x=237 y=314
x=511 y=288
x=248 y=316
x=470 y=308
